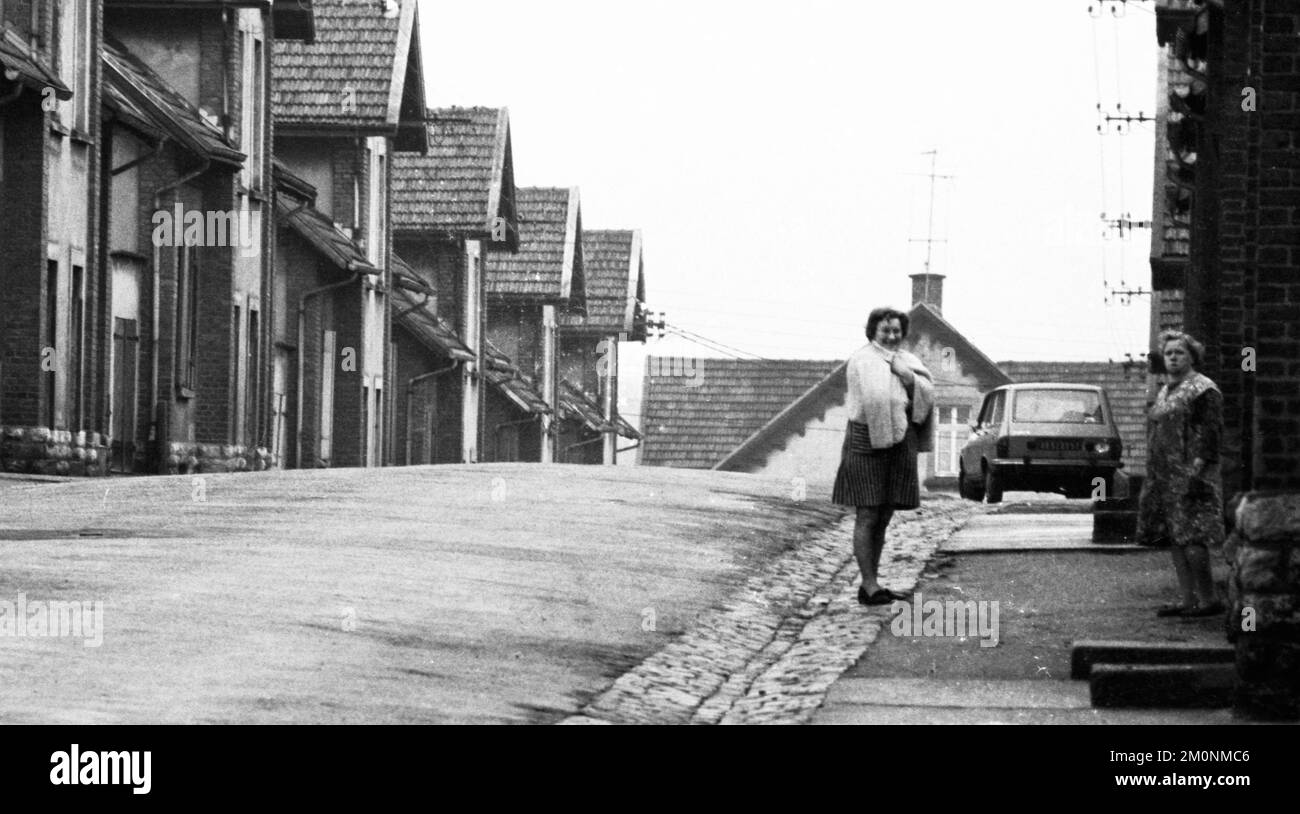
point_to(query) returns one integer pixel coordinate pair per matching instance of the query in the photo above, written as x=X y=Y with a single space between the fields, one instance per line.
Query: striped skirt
x=877 y=477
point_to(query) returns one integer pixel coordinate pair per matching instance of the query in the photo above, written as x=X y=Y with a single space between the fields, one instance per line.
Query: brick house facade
x=525 y=295
x=1238 y=120
x=590 y=425
x=454 y=208
x=51 y=286
x=344 y=105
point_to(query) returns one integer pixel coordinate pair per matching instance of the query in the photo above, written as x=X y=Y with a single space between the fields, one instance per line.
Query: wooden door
x=126 y=393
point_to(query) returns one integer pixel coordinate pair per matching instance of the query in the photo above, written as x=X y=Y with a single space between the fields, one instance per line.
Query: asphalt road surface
x=450 y=594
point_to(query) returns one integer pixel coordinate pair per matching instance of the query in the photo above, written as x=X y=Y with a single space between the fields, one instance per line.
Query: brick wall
x=435 y=404
x=1243 y=289
x=578 y=361
x=1260 y=172
x=494 y=439
x=32 y=163
x=349 y=433
x=517 y=331
x=22 y=261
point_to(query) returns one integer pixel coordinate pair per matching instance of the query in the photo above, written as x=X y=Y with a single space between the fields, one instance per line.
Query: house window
x=49 y=353
x=76 y=344
x=187 y=328
x=254 y=382
x=241 y=371
x=952 y=432
x=326 y=395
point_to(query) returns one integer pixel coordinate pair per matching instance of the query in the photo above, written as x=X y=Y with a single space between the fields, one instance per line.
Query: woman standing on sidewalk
x=891 y=403
x=1182 y=496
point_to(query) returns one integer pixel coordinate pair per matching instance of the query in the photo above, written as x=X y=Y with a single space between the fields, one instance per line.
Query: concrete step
x=1085 y=654
x=1114 y=526
x=1178 y=686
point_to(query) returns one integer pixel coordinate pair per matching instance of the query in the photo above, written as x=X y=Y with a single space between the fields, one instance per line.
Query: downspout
x=226 y=51
x=154 y=404
x=549 y=339
x=410 y=392
x=302 y=338
x=496 y=433
x=609 y=455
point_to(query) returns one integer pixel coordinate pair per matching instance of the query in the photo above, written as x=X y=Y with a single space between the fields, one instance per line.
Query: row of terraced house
x=233 y=236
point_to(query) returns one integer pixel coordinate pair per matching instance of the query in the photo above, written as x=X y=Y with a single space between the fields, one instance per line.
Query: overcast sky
x=772 y=155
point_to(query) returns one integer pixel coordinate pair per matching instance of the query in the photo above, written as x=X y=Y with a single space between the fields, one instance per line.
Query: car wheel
x=992 y=485
x=966 y=488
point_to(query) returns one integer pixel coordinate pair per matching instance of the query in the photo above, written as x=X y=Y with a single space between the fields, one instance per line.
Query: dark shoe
x=1174 y=610
x=1213 y=609
x=882 y=596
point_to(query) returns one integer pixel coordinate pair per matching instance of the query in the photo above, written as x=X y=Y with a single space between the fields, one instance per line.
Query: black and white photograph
x=563 y=362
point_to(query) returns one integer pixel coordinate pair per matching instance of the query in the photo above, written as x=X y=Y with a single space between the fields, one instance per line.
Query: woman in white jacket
x=891 y=405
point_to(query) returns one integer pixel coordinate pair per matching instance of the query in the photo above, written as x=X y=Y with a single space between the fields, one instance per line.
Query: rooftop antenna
x=929 y=240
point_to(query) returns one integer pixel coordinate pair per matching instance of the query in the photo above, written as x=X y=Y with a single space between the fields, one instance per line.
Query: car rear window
x=1058 y=406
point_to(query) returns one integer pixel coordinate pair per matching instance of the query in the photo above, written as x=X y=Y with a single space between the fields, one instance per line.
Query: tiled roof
x=507 y=378
x=288 y=181
x=614 y=283
x=421 y=321
x=696 y=412
x=292 y=18
x=464 y=182
x=579 y=405
x=1126 y=387
x=131 y=80
x=126 y=111
x=361 y=72
x=312 y=226
x=575 y=405
x=20 y=64
x=548 y=266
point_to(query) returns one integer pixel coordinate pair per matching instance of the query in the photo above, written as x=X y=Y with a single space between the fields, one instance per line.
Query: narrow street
x=501 y=593
x=517 y=593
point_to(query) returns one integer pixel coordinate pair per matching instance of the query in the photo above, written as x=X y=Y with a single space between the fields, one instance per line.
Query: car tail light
x=1004 y=447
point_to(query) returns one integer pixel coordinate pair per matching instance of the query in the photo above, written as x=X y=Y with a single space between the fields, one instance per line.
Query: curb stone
x=773 y=650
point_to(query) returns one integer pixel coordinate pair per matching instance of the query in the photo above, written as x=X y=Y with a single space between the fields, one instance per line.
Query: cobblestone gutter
x=770 y=654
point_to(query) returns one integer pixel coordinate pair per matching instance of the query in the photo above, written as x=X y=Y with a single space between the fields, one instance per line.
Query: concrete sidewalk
x=1052 y=587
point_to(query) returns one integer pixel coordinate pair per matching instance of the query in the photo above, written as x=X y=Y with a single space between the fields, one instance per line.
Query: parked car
x=1041 y=437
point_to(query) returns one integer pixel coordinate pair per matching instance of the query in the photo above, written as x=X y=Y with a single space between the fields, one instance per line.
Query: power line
x=703 y=345
x=688 y=334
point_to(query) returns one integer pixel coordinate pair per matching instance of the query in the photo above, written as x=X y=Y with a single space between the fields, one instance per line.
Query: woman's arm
x=1206 y=424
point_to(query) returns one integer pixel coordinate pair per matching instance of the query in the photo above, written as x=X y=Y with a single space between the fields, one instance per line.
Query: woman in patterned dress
x=1182 y=497
x=891 y=408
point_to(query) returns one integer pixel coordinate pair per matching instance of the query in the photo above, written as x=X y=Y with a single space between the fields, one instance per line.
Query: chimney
x=928 y=288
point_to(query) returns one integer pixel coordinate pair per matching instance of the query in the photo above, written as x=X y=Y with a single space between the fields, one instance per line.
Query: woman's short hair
x=880 y=314
x=1195 y=349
